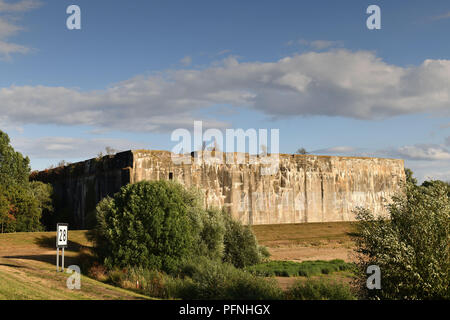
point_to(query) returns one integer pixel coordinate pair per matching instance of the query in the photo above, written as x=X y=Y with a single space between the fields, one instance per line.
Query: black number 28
x=62 y=235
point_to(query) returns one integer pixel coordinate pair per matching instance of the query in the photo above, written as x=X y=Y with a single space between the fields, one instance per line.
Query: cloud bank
x=68 y=148
x=335 y=83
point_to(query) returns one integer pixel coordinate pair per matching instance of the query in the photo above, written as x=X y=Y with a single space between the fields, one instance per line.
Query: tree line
x=22 y=202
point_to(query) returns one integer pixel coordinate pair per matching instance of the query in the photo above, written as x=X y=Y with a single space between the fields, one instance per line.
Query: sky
x=138 y=70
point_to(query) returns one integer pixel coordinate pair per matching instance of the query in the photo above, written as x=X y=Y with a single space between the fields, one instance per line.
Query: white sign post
x=62 y=236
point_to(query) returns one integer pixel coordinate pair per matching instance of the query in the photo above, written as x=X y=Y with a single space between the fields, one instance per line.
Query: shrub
x=319 y=290
x=98 y=272
x=411 y=246
x=294 y=269
x=158 y=224
x=241 y=247
x=206 y=279
x=202 y=279
x=146 y=224
x=210 y=227
x=151 y=282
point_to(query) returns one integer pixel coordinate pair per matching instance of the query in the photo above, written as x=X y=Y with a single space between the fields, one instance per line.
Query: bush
x=295 y=269
x=158 y=224
x=150 y=282
x=210 y=227
x=207 y=279
x=202 y=279
x=411 y=246
x=241 y=247
x=319 y=290
x=146 y=224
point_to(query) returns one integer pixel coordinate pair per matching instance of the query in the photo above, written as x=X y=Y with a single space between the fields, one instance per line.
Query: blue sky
x=137 y=70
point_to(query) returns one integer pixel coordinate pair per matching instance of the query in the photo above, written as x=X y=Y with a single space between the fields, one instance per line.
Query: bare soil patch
x=308 y=241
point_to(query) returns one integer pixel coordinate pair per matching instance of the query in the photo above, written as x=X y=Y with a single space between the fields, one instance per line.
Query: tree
x=110 y=151
x=409 y=176
x=161 y=225
x=4 y=210
x=62 y=163
x=411 y=246
x=146 y=224
x=301 y=151
x=21 y=202
x=14 y=168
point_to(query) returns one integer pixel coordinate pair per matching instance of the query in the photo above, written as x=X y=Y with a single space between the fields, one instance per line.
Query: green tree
x=4 y=210
x=146 y=224
x=411 y=245
x=14 y=168
x=21 y=202
x=410 y=176
x=161 y=225
x=240 y=245
x=301 y=151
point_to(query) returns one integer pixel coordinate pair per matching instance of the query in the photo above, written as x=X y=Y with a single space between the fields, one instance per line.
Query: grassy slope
x=27 y=270
x=27 y=260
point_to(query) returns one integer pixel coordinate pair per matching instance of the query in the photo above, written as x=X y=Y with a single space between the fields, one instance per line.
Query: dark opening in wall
x=170 y=175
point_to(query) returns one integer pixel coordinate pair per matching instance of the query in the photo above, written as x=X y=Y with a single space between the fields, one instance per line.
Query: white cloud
x=334 y=83
x=424 y=152
x=323 y=44
x=317 y=44
x=67 y=148
x=441 y=16
x=186 y=61
x=19 y=6
x=7 y=48
x=9 y=27
x=447 y=141
x=427 y=161
x=338 y=150
x=429 y=170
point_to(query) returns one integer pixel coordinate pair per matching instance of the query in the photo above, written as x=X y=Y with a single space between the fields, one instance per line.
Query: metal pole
x=57 y=259
x=63 y=259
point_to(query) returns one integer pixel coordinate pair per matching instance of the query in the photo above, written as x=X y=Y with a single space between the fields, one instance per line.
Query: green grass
x=295 y=269
x=27 y=270
x=32 y=276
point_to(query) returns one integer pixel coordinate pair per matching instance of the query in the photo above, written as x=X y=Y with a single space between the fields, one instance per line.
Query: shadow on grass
x=48 y=258
x=49 y=242
x=12 y=266
x=83 y=254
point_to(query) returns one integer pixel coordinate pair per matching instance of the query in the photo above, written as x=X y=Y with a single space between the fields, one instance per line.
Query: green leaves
x=22 y=203
x=159 y=224
x=14 y=168
x=411 y=246
x=145 y=224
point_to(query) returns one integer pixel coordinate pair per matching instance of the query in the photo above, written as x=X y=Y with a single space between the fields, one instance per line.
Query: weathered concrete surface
x=305 y=188
x=80 y=186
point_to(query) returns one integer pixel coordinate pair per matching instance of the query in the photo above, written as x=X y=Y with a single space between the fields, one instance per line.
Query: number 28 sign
x=62 y=233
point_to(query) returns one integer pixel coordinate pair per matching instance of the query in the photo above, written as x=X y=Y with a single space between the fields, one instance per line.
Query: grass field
x=296 y=269
x=27 y=260
x=27 y=270
x=308 y=241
